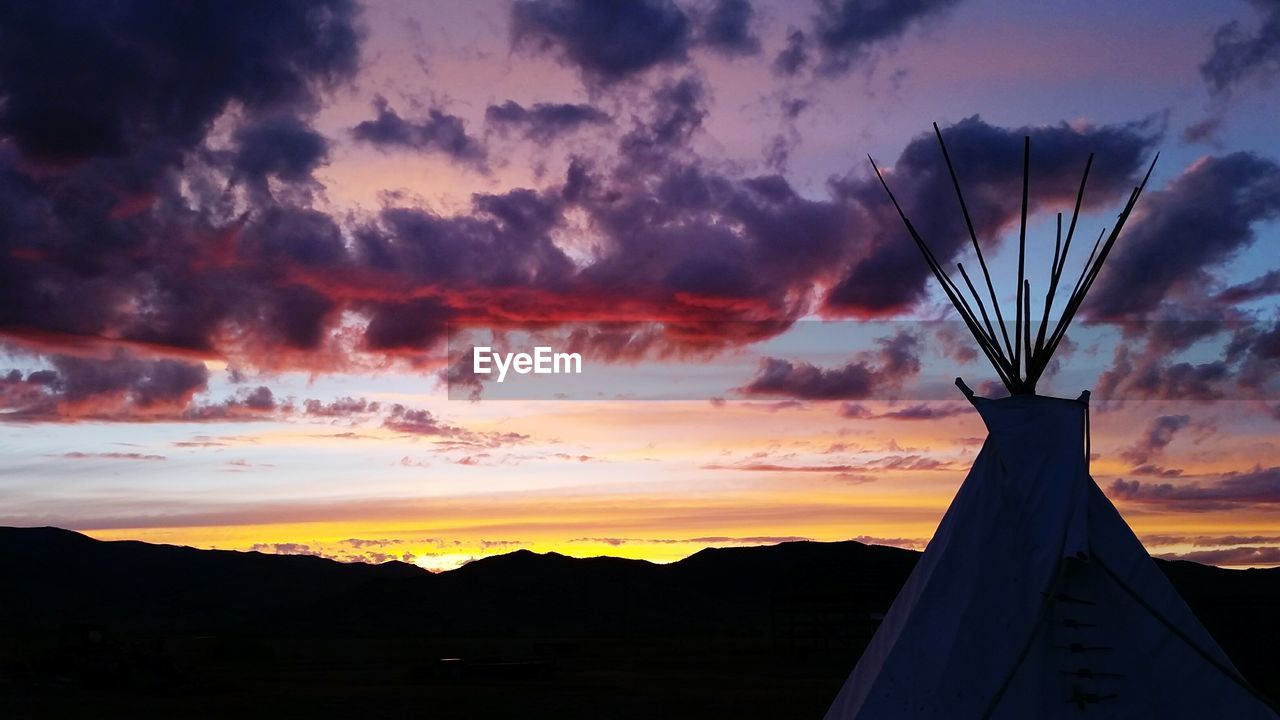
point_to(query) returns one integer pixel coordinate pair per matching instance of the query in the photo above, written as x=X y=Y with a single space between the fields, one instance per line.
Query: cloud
x=1239 y=55
x=605 y=41
x=341 y=408
x=861 y=472
x=1205 y=130
x=1148 y=470
x=863 y=378
x=988 y=160
x=248 y=404
x=1258 y=350
x=794 y=57
x=1229 y=355
x=712 y=539
x=111 y=456
x=1203 y=219
x=908 y=543
x=260 y=398
x=727 y=28
x=438 y=132
x=1157 y=437
x=1209 y=540
x=1263 y=286
x=956 y=342
x=120 y=387
x=848 y=31
x=1230 y=557
x=284 y=549
x=281 y=147
x=544 y=121
x=453 y=437
x=1151 y=376
x=918 y=411
x=1260 y=486
x=417 y=422
x=575 y=458
x=778 y=151
x=685 y=257
x=677 y=113
x=361 y=543
x=160 y=74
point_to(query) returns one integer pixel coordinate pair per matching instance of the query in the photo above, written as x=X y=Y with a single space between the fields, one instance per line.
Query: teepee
x=1034 y=599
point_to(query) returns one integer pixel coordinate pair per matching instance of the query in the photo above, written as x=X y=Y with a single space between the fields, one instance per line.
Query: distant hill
x=789 y=620
x=59 y=576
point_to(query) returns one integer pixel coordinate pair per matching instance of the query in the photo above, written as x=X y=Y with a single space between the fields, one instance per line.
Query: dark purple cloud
x=1240 y=55
x=247 y=404
x=416 y=422
x=1260 y=287
x=131 y=389
x=861 y=472
x=1205 y=130
x=438 y=132
x=453 y=437
x=988 y=160
x=544 y=121
x=802 y=380
x=343 y=407
x=115 y=223
x=606 y=41
x=778 y=150
x=1197 y=350
x=678 y=109
x=111 y=456
x=1183 y=232
x=121 y=386
x=283 y=548
x=1157 y=437
x=918 y=411
x=143 y=383
x=162 y=250
x=165 y=253
x=260 y=398
x=281 y=147
x=793 y=57
x=1260 y=486
x=1210 y=540
x=847 y=31
x=752 y=540
x=694 y=244
x=1258 y=349
x=1149 y=470
x=863 y=378
x=1232 y=557
x=727 y=28
x=1236 y=359
x=1149 y=376
x=84 y=78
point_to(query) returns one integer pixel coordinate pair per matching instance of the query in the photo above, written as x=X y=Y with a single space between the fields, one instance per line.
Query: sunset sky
x=236 y=240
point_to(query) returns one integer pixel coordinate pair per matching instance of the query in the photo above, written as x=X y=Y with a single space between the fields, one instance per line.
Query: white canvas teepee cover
x=1035 y=600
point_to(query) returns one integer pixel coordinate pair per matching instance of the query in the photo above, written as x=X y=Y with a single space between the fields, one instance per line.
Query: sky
x=245 y=247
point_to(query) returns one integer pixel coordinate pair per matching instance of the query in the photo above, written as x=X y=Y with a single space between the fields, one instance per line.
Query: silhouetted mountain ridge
x=783 y=622
x=59 y=576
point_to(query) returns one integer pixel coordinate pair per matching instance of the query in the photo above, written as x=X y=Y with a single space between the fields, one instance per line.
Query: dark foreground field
x=93 y=629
